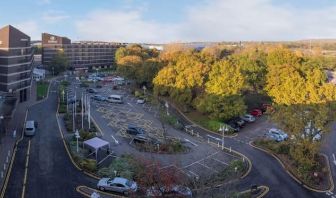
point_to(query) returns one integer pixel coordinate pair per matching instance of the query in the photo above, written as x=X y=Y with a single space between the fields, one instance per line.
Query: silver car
x=117 y=184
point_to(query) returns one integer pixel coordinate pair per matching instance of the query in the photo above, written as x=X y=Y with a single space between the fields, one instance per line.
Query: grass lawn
x=204 y=120
x=41 y=90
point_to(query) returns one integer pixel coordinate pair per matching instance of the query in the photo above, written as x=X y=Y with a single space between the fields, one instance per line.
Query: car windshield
x=129 y=183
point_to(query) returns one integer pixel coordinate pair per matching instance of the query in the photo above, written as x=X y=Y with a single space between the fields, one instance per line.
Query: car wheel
x=102 y=188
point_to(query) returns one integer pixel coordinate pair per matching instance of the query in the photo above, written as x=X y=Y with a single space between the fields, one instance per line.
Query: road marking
x=334 y=158
x=115 y=140
x=201 y=159
x=194 y=174
x=190 y=142
x=26 y=172
x=206 y=166
x=130 y=104
x=218 y=139
x=217 y=160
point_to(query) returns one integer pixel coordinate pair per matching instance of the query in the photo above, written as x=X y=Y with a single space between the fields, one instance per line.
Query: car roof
x=119 y=180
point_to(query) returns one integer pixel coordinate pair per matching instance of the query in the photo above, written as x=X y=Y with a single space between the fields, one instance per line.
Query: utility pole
x=82 y=100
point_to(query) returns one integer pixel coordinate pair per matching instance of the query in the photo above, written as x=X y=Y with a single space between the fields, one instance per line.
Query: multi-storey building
x=81 y=55
x=16 y=60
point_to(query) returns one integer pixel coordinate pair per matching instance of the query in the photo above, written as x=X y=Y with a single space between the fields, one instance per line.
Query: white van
x=30 y=128
x=115 y=99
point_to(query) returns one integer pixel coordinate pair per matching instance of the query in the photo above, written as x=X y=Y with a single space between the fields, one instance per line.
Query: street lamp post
x=223 y=129
x=144 y=89
x=167 y=106
x=77 y=137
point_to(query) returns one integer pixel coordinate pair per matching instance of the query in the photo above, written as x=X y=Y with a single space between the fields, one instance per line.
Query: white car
x=277 y=135
x=117 y=184
x=140 y=101
x=248 y=118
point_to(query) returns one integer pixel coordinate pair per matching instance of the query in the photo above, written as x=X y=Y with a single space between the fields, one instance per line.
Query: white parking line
x=194 y=174
x=217 y=160
x=208 y=167
x=201 y=160
x=130 y=104
x=190 y=142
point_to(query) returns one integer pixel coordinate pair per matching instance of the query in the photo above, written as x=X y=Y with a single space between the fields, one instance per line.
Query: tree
x=128 y=66
x=59 y=63
x=147 y=71
x=221 y=107
x=225 y=79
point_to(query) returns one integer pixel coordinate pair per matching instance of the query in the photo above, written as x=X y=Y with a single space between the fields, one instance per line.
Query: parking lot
x=202 y=161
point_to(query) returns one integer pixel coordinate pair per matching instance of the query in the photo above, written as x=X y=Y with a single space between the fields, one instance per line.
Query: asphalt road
x=265 y=169
x=50 y=171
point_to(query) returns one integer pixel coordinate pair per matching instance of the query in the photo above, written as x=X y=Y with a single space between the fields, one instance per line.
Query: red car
x=256 y=112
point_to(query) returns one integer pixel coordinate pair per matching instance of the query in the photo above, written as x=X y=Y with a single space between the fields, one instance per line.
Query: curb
x=331 y=188
x=4 y=187
x=259 y=187
x=67 y=149
x=78 y=189
x=229 y=136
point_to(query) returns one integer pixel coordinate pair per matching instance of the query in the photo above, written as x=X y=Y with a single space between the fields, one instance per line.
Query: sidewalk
x=8 y=141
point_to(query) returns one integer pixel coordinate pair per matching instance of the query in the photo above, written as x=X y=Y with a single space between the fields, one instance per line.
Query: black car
x=241 y=123
x=133 y=130
x=233 y=124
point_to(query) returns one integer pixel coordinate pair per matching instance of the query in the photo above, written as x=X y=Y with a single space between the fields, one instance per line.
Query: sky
x=164 y=21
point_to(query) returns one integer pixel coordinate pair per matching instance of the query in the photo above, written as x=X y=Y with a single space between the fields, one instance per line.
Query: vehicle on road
x=115 y=99
x=140 y=101
x=239 y=121
x=30 y=128
x=134 y=130
x=256 y=112
x=117 y=184
x=277 y=135
x=175 y=191
x=248 y=118
x=99 y=98
x=90 y=90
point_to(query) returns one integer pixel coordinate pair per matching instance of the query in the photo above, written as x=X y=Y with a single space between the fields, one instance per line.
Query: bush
x=62 y=108
x=138 y=94
x=65 y=83
x=283 y=148
x=85 y=135
x=88 y=164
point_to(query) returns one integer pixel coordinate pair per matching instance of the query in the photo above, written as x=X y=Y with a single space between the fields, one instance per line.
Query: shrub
x=85 y=135
x=138 y=94
x=62 y=109
x=88 y=164
x=65 y=83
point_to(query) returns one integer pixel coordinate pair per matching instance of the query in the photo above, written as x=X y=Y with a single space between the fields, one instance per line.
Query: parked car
x=241 y=123
x=99 y=86
x=277 y=135
x=99 y=98
x=267 y=108
x=134 y=130
x=117 y=184
x=248 y=118
x=72 y=100
x=256 y=112
x=90 y=90
x=175 y=191
x=141 y=138
x=233 y=125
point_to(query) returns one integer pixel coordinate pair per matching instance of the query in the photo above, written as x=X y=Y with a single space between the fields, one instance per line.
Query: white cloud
x=31 y=28
x=214 y=20
x=53 y=16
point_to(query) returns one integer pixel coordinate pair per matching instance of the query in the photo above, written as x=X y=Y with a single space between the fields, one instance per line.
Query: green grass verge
x=42 y=89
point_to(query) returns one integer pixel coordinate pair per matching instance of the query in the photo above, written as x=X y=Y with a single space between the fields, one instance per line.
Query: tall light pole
x=77 y=137
x=82 y=100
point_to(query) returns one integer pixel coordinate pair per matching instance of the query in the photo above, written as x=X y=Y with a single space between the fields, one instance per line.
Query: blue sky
x=173 y=20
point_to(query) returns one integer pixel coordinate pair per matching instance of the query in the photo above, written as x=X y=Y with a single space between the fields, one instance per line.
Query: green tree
x=59 y=63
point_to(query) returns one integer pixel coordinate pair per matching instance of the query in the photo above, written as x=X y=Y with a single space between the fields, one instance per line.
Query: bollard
x=230 y=149
x=9 y=152
x=243 y=159
x=197 y=134
x=192 y=131
x=4 y=166
x=14 y=134
x=218 y=144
